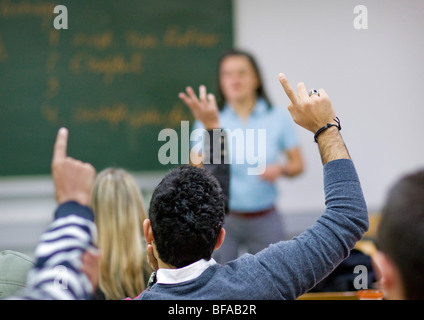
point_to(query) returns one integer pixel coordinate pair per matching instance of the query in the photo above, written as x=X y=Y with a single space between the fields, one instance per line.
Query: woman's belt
x=253 y=214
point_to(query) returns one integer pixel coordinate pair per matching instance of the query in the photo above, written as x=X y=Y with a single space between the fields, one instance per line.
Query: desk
x=343 y=295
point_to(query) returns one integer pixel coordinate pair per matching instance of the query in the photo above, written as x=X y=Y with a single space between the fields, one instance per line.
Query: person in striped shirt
x=64 y=257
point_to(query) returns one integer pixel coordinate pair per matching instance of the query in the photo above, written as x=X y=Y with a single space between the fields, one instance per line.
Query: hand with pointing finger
x=72 y=178
x=203 y=108
x=310 y=112
x=313 y=112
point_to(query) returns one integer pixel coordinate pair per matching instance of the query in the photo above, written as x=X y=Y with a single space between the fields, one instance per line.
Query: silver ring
x=313 y=91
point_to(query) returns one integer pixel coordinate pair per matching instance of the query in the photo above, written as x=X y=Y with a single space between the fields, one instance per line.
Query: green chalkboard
x=112 y=77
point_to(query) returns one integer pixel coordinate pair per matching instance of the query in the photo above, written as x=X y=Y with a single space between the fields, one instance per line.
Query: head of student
x=400 y=239
x=186 y=215
x=119 y=214
x=239 y=78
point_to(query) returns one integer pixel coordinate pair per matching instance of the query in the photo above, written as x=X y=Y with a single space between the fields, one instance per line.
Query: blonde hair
x=119 y=214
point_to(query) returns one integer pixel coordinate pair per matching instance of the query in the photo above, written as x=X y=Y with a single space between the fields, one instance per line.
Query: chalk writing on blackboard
x=117 y=70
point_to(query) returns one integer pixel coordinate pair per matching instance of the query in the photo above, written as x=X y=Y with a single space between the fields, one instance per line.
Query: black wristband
x=328 y=125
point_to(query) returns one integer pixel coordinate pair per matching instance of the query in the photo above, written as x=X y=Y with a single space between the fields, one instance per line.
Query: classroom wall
x=373 y=76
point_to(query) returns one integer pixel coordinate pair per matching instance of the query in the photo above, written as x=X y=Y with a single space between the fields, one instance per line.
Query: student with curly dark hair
x=194 y=219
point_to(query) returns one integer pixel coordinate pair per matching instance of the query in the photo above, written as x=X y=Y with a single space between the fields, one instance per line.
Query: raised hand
x=203 y=108
x=310 y=112
x=72 y=178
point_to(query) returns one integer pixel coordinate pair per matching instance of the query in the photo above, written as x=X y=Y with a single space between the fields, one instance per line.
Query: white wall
x=374 y=78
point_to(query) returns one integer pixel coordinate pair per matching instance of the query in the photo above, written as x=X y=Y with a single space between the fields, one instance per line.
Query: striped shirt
x=56 y=274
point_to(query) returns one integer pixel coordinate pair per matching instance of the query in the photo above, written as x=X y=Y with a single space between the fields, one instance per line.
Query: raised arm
x=57 y=272
x=299 y=264
x=205 y=109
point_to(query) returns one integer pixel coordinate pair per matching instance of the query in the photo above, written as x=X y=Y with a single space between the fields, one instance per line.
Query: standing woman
x=253 y=221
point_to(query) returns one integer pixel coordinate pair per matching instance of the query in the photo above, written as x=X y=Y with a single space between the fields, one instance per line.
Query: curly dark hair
x=186 y=213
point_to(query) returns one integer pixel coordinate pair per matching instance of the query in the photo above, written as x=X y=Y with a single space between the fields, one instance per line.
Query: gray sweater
x=287 y=269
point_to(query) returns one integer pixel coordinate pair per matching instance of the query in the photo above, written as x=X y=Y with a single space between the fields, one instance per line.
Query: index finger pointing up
x=291 y=93
x=61 y=145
